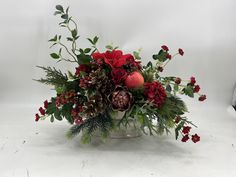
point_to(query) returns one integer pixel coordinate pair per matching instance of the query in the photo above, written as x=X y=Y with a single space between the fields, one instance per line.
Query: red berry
x=164 y=47
x=196 y=88
x=192 y=80
x=37 y=117
x=42 y=111
x=78 y=121
x=202 y=98
x=195 y=138
x=178 y=80
x=186 y=129
x=177 y=119
x=168 y=56
x=46 y=104
x=181 y=52
x=185 y=138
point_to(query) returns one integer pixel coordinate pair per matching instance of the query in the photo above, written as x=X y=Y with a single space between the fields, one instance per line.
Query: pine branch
x=102 y=122
x=53 y=77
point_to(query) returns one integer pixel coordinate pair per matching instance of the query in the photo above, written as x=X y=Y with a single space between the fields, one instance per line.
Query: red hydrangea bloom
x=192 y=81
x=178 y=80
x=195 y=138
x=196 y=88
x=114 y=58
x=83 y=68
x=202 y=98
x=118 y=75
x=164 y=47
x=37 y=117
x=185 y=138
x=45 y=104
x=42 y=111
x=181 y=52
x=186 y=130
x=155 y=93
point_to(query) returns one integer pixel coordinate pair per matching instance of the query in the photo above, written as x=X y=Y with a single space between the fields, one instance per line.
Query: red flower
x=113 y=58
x=78 y=121
x=196 y=88
x=42 y=111
x=164 y=47
x=181 y=52
x=168 y=56
x=37 y=117
x=134 y=64
x=195 y=138
x=177 y=80
x=45 y=104
x=202 y=98
x=186 y=130
x=192 y=81
x=185 y=138
x=83 y=68
x=155 y=92
x=118 y=75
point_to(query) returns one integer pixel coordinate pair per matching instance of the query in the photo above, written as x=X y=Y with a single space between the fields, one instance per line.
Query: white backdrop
x=205 y=29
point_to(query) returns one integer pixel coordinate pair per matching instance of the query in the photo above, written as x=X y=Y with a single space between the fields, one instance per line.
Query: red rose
x=83 y=68
x=196 y=89
x=195 y=138
x=45 y=104
x=186 y=130
x=202 y=98
x=37 y=117
x=164 y=47
x=192 y=81
x=113 y=58
x=118 y=75
x=185 y=138
x=42 y=111
x=177 y=80
x=155 y=92
x=181 y=52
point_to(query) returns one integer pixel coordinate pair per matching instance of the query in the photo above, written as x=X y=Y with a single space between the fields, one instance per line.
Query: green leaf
x=54 y=55
x=136 y=55
x=84 y=59
x=57 y=12
x=90 y=40
x=60 y=8
x=168 y=88
x=69 y=39
x=65 y=16
x=57 y=114
x=52 y=118
x=95 y=40
x=155 y=56
x=54 y=39
x=67 y=10
x=74 y=33
x=189 y=90
x=176 y=87
x=109 y=47
x=87 y=50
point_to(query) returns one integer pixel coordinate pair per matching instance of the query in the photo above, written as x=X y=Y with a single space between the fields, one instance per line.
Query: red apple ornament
x=134 y=80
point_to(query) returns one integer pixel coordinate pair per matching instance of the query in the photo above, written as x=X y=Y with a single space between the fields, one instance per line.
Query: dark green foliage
x=161 y=56
x=53 y=77
x=102 y=122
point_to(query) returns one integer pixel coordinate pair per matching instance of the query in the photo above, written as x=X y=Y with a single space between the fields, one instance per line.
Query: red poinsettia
x=155 y=92
x=114 y=58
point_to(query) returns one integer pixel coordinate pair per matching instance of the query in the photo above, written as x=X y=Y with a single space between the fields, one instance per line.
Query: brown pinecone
x=95 y=105
x=121 y=99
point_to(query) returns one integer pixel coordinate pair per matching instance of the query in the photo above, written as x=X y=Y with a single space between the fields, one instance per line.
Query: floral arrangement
x=105 y=83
